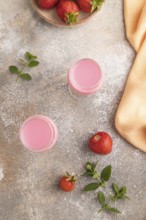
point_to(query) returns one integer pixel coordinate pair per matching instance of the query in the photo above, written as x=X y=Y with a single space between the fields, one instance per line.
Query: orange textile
x=130 y=119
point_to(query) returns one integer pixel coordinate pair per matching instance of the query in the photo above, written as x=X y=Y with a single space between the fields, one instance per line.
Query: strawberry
x=67 y=182
x=100 y=143
x=90 y=5
x=46 y=4
x=68 y=11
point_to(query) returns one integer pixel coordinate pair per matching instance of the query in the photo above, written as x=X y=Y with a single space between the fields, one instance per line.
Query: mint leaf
x=13 y=69
x=114 y=210
x=29 y=56
x=118 y=194
x=88 y=173
x=106 y=173
x=123 y=190
x=91 y=187
x=116 y=188
x=33 y=63
x=101 y=198
x=25 y=76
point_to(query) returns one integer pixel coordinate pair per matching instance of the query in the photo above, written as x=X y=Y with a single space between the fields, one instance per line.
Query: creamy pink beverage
x=38 y=133
x=85 y=77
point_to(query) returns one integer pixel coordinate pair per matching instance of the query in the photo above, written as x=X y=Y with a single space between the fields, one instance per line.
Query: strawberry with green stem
x=67 y=182
x=90 y=5
x=68 y=11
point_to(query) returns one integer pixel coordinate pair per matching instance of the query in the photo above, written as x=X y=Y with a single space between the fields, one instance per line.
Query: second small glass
x=84 y=78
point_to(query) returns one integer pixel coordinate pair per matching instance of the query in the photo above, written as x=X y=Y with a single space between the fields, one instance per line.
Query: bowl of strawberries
x=66 y=13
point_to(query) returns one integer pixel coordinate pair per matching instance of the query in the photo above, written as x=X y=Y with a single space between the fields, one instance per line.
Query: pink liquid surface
x=87 y=73
x=37 y=133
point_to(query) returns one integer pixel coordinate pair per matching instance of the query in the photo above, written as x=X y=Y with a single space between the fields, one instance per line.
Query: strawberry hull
x=67 y=183
x=68 y=11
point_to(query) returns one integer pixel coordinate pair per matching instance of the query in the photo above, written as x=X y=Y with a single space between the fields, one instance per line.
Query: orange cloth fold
x=130 y=119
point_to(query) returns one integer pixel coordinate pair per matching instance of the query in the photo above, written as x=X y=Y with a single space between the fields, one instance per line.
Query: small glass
x=84 y=78
x=38 y=133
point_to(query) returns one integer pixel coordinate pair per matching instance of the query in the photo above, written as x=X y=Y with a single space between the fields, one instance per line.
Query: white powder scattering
x=1 y=172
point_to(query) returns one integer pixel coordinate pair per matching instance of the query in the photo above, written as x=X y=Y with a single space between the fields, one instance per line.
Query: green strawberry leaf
x=101 y=198
x=13 y=69
x=106 y=173
x=91 y=187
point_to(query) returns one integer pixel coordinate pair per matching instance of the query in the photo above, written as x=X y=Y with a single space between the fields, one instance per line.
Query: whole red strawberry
x=46 y=4
x=67 y=182
x=90 y=5
x=100 y=143
x=68 y=11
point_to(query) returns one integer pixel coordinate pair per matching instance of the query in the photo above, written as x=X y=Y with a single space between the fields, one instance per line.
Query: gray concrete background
x=29 y=181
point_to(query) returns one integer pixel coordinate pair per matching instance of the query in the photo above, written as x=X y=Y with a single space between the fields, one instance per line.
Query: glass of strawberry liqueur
x=38 y=133
x=84 y=78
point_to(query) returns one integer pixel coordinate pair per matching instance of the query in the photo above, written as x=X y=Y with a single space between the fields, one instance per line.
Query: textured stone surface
x=28 y=181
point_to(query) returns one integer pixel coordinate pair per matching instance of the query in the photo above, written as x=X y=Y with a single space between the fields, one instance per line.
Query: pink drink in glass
x=38 y=133
x=85 y=77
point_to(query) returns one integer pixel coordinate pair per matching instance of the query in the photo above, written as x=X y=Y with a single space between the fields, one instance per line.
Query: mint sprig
x=105 y=205
x=29 y=62
x=101 y=178
x=119 y=193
